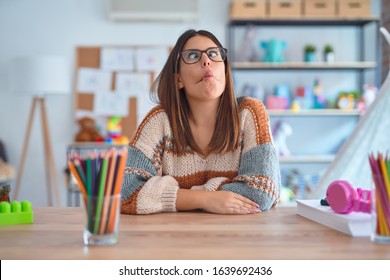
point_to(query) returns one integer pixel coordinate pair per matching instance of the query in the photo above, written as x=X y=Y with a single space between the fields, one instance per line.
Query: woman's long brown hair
x=173 y=100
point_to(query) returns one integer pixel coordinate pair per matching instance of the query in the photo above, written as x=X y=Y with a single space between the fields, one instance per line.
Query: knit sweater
x=154 y=171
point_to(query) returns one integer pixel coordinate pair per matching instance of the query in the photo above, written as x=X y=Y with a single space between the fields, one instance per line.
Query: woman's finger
x=246 y=201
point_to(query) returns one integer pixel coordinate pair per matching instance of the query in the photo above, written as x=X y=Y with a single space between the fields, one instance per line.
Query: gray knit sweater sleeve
x=258 y=176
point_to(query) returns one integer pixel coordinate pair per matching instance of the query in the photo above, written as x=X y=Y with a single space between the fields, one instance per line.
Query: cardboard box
x=354 y=8
x=248 y=9
x=319 y=9
x=285 y=8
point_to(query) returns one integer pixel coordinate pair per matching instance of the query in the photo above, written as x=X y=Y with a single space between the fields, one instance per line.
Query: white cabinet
x=317 y=133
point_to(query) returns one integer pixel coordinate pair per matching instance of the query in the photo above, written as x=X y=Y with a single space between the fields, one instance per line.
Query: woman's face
x=205 y=79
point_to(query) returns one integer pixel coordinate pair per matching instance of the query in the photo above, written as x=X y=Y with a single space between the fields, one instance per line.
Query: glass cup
x=101 y=226
x=380 y=213
x=99 y=170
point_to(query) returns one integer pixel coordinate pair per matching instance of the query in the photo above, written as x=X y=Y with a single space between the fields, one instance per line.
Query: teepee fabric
x=371 y=135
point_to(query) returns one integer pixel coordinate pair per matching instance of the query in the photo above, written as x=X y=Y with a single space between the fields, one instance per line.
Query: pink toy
x=343 y=198
x=277 y=103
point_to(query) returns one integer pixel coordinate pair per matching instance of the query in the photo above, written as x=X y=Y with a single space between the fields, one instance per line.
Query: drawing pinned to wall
x=133 y=84
x=117 y=59
x=109 y=103
x=106 y=69
x=151 y=59
x=90 y=80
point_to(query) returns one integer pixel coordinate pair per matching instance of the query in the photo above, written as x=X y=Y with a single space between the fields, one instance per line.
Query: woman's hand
x=219 y=202
x=226 y=202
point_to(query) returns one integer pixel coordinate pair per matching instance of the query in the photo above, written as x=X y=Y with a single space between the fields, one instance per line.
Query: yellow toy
x=346 y=101
x=114 y=131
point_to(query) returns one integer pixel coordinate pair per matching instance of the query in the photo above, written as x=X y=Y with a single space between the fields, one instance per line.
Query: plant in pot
x=309 y=53
x=328 y=53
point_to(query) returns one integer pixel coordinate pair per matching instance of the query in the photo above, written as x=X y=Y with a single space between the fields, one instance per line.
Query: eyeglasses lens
x=193 y=56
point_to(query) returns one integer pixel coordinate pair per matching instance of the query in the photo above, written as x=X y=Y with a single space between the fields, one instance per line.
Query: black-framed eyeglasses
x=192 y=56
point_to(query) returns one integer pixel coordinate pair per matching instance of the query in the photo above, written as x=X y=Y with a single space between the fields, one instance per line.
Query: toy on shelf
x=281 y=99
x=304 y=98
x=88 y=131
x=367 y=98
x=7 y=172
x=300 y=185
x=318 y=95
x=252 y=90
x=114 y=131
x=286 y=195
x=4 y=193
x=16 y=213
x=346 y=100
x=273 y=50
x=276 y=103
x=283 y=91
x=247 y=52
x=280 y=132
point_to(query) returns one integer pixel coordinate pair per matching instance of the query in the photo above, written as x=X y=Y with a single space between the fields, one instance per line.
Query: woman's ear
x=179 y=82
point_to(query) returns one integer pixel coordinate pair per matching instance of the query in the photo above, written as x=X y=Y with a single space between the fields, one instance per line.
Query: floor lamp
x=40 y=77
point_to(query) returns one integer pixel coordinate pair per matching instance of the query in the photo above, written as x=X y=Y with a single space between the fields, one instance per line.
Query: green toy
x=16 y=213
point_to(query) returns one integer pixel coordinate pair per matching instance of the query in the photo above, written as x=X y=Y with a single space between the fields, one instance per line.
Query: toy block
x=16 y=213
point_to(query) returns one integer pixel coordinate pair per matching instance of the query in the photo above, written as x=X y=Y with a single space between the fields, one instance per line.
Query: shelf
x=314 y=112
x=305 y=22
x=307 y=159
x=304 y=65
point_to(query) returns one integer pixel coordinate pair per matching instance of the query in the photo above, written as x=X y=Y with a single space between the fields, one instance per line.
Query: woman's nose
x=206 y=61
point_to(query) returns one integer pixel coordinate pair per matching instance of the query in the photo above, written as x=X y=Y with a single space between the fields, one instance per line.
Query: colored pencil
x=108 y=188
x=102 y=182
x=117 y=188
x=80 y=182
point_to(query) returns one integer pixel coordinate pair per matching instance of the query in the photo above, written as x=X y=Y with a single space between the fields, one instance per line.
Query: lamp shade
x=40 y=75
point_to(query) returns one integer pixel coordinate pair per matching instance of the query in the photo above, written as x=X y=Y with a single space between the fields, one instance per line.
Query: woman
x=200 y=149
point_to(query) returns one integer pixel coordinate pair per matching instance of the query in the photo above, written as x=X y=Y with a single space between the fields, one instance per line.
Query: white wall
x=32 y=27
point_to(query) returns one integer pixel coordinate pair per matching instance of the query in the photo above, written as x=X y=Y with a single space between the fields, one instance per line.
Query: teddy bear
x=88 y=132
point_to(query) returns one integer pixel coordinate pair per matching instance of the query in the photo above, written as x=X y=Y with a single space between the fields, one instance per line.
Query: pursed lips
x=208 y=75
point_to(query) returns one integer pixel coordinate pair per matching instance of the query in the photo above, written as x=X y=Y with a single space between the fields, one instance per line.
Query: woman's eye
x=192 y=55
x=213 y=53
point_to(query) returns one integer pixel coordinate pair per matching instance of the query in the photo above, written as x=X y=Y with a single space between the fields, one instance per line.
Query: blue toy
x=273 y=50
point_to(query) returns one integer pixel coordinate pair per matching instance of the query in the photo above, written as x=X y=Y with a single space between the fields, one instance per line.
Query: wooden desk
x=277 y=234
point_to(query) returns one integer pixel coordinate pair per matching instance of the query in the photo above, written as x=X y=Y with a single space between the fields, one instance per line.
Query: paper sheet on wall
x=151 y=59
x=117 y=59
x=109 y=103
x=133 y=84
x=90 y=80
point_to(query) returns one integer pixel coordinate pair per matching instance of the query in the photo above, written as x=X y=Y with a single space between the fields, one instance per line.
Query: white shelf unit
x=314 y=112
x=307 y=159
x=295 y=65
x=320 y=132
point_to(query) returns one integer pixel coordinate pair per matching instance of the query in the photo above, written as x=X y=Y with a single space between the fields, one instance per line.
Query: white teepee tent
x=372 y=134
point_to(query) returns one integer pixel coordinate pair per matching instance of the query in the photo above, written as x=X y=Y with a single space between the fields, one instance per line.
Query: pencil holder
x=102 y=218
x=380 y=198
x=380 y=213
x=99 y=175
